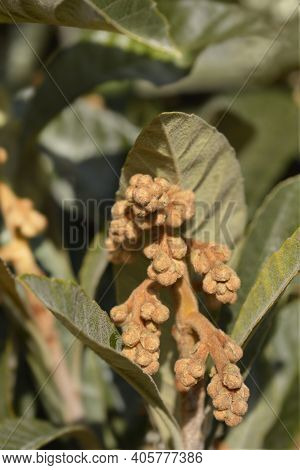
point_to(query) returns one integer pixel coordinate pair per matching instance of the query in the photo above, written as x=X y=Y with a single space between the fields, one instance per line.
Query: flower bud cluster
x=229 y=395
x=140 y=320
x=22 y=218
x=123 y=233
x=218 y=278
x=166 y=256
x=149 y=202
x=228 y=392
x=188 y=371
x=148 y=199
x=222 y=281
x=19 y=214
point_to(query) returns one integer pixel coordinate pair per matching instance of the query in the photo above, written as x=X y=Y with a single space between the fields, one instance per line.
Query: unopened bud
x=232 y=378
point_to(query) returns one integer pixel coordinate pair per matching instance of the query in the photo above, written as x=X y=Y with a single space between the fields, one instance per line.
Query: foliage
x=203 y=93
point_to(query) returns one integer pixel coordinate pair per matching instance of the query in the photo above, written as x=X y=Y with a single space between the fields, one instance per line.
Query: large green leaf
x=65 y=136
x=259 y=143
x=195 y=24
x=139 y=19
x=85 y=319
x=79 y=142
x=270 y=381
x=230 y=62
x=274 y=276
x=273 y=223
x=187 y=151
x=22 y=433
x=70 y=74
x=93 y=265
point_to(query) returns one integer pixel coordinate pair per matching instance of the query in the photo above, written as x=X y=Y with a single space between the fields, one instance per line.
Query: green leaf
x=56 y=261
x=278 y=437
x=65 y=136
x=276 y=273
x=187 y=151
x=93 y=265
x=139 y=19
x=195 y=24
x=274 y=222
x=231 y=61
x=79 y=142
x=270 y=382
x=85 y=319
x=31 y=434
x=70 y=75
x=258 y=114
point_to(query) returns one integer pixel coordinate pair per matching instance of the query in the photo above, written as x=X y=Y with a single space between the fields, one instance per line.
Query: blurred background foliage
x=76 y=88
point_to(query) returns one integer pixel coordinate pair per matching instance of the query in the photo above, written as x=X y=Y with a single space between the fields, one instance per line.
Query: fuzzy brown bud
x=131 y=334
x=232 y=378
x=119 y=313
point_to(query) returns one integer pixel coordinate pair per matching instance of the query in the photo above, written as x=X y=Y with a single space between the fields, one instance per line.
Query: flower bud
x=131 y=334
x=233 y=351
x=150 y=341
x=119 y=313
x=232 y=378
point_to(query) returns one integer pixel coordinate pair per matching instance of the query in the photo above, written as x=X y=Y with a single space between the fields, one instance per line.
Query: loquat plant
x=149 y=257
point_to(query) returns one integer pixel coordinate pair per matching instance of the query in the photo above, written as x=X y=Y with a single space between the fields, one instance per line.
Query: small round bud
x=214 y=387
x=119 y=209
x=221 y=272
x=227 y=298
x=152 y=368
x=239 y=407
x=177 y=247
x=209 y=284
x=150 y=341
x=181 y=366
x=187 y=379
x=129 y=194
x=222 y=401
x=197 y=369
x=131 y=334
x=142 y=195
x=147 y=310
x=232 y=419
x=200 y=261
x=232 y=378
x=163 y=183
x=161 y=262
x=130 y=353
x=243 y=392
x=151 y=250
x=233 y=351
x=233 y=283
x=143 y=357
x=160 y=314
x=119 y=313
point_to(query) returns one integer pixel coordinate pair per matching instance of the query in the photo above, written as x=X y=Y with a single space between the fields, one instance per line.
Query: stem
x=192 y=402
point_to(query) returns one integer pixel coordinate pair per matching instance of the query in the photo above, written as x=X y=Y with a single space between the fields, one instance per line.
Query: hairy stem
x=192 y=402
